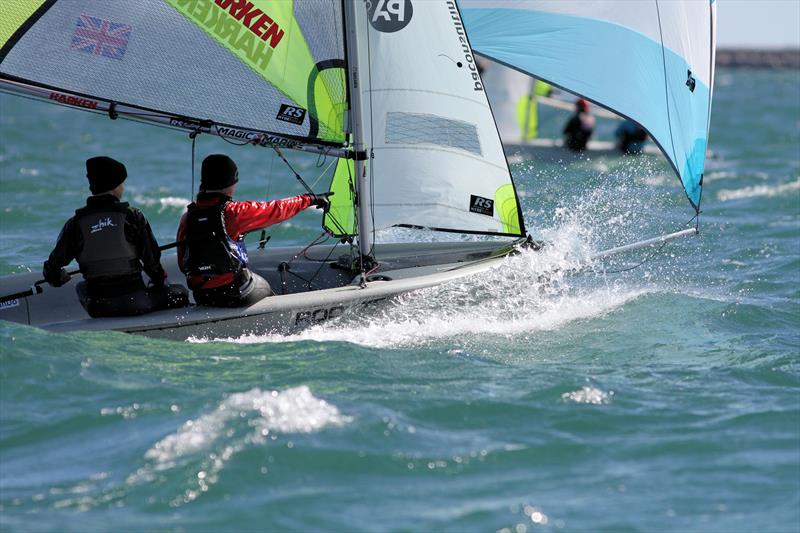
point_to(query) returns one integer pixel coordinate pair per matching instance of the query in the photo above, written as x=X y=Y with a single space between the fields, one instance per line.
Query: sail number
x=304 y=318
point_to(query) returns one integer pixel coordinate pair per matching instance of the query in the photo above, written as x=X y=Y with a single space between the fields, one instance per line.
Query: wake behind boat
x=389 y=89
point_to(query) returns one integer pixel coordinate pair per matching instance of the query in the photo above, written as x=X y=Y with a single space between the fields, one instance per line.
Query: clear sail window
x=416 y=128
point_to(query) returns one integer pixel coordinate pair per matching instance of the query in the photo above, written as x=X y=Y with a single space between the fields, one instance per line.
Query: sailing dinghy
x=515 y=97
x=389 y=87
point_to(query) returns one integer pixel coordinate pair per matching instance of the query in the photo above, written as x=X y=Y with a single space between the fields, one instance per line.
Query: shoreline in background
x=788 y=58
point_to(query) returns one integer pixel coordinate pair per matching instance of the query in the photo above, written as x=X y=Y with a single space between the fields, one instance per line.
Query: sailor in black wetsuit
x=579 y=127
x=113 y=244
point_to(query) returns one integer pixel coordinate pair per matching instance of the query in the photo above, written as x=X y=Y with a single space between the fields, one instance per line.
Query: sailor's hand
x=63 y=277
x=156 y=283
x=321 y=201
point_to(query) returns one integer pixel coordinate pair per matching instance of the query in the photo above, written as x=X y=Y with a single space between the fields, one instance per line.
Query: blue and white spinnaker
x=650 y=61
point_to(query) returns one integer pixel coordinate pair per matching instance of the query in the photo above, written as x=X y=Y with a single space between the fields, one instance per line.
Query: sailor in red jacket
x=211 y=248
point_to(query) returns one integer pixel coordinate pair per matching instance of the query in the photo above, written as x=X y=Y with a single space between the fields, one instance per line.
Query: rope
x=666 y=83
x=305 y=185
x=318 y=240
x=193 y=137
x=657 y=251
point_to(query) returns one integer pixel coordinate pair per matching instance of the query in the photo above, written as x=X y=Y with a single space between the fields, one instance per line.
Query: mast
x=364 y=215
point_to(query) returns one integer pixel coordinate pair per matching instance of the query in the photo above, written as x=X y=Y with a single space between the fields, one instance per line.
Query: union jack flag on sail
x=101 y=37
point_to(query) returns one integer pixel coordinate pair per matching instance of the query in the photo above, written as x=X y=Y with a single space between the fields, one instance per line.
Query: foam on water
x=758 y=190
x=529 y=292
x=293 y=410
x=242 y=419
x=164 y=203
x=587 y=394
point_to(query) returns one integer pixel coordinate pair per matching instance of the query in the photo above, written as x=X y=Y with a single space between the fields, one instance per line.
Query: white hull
x=553 y=150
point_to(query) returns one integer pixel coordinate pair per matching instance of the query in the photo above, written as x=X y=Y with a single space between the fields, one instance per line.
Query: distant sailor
x=631 y=137
x=113 y=243
x=527 y=110
x=211 y=248
x=579 y=128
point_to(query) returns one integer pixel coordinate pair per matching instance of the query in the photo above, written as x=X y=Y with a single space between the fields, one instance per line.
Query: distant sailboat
x=515 y=97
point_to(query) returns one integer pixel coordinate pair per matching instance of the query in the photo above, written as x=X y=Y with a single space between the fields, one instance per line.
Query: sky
x=758 y=23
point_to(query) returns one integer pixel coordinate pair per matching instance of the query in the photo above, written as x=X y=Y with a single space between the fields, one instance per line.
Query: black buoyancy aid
x=106 y=253
x=209 y=250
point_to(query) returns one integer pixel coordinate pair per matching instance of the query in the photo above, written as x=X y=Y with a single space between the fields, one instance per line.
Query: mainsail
x=650 y=61
x=264 y=71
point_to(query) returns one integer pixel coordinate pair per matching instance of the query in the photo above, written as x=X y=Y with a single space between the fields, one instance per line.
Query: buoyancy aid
x=209 y=249
x=106 y=253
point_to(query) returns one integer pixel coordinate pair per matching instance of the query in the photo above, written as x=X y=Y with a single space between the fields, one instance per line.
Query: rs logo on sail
x=389 y=16
x=102 y=224
x=290 y=113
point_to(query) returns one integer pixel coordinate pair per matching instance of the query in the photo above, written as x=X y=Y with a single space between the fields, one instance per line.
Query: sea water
x=659 y=391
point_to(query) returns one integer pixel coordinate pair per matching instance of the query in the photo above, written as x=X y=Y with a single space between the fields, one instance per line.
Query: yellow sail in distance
x=527 y=113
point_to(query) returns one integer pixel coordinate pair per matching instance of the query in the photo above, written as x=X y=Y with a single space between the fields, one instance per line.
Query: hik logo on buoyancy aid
x=389 y=16
x=102 y=224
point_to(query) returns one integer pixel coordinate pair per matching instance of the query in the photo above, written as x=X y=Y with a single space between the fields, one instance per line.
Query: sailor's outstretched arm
x=244 y=217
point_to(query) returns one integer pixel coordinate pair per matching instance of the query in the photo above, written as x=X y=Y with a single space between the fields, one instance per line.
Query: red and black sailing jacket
x=211 y=249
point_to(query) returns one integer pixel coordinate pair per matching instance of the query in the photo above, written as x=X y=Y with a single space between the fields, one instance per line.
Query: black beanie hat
x=218 y=171
x=104 y=174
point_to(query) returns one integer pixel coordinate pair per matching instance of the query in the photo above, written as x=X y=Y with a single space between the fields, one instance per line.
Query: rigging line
x=302 y=181
x=314 y=242
x=322 y=264
x=321 y=158
x=296 y=175
x=371 y=144
x=262 y=241
x=193 y=137
x=322 y=174
x=666 y=85
x=653 y=254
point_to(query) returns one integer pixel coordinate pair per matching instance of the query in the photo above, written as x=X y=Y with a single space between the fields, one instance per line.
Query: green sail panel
x=505 y=200
x=273 y=66
x=266 y=36
x=340 y=220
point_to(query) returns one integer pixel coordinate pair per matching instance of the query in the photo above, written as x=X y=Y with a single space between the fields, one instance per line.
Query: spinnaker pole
x=356 y=123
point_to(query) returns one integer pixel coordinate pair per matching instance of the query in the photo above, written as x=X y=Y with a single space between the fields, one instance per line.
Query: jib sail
x=340 y=219
x=267 y=71
x=435 y=157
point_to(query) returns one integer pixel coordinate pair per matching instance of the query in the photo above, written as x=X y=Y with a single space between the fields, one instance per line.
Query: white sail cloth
x=436 y=158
